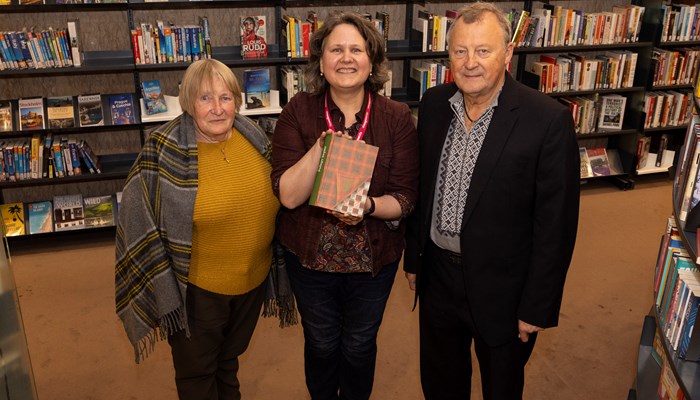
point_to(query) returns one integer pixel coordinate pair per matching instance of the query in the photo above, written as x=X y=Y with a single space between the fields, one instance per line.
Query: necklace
x=466 y=113
x=222 y=149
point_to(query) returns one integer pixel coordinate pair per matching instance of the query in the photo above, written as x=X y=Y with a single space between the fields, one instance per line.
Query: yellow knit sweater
x=234 y=218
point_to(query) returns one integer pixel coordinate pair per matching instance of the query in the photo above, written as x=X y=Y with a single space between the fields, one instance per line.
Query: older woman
x=342 y=268
x=194 y=236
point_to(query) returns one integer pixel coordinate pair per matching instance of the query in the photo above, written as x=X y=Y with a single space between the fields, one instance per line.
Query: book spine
x=328 y=140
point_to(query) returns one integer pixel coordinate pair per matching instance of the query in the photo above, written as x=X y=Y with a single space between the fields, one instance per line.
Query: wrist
x=370 y=210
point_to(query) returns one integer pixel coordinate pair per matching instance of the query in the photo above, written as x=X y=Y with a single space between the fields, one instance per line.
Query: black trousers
x=447 y=331
x=221 y=326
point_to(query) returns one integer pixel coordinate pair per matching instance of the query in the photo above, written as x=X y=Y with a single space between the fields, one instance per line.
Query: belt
x=447 y=255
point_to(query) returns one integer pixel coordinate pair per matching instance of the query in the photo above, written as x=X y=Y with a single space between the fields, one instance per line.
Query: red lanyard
x=365 y=120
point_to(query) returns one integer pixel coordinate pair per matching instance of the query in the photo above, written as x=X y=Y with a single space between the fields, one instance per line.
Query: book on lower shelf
x=90 y=110
x=174 y=110
x=121 y=109
x=612 y=111
x=6 y=116
x=40 y=216
x=60 y=112
x=586 y=169
x=13 y=218
x=153 y=97
x=257 y=88
x=598 y=157
x=99 y=211
x=68 y=212
x=31 y=114
x=344 y=175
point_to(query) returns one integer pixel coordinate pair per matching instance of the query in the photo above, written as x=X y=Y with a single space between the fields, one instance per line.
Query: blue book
x=40 y=215
x=257 y=88
x=121 y=108
x=153 y=99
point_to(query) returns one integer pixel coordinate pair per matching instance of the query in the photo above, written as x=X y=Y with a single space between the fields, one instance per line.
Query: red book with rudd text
x=253 y=36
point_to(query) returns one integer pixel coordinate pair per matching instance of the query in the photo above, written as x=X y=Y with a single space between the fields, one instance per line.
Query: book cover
x=612 y=111
x=40 y=216
x=598 y=157
x=153 y=97
x=31 y=114
x=90 y=110
x=344 y=175
x=121 y=108
x=257 y=88
x=586 y=169
x=60 y=112
x=68 y=212
x=643 y=145
x=98 y=211
x=13 y=218
x=5 y=116
x=253 y=36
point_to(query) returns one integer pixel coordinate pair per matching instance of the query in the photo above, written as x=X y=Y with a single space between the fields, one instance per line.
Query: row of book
x=38 y=49
x=667 y=108
x=430 y=73
x=161 y=43
x=677 y=294
x=595 y=112
x=599 y=161
x=297 y=32
x=573 y=71
x=677 y=67
x=554 y=25
x=61 y=112
x=62 y=213
x=687 y=185
x=430 y=30
x=681 y=22
x=46 y=157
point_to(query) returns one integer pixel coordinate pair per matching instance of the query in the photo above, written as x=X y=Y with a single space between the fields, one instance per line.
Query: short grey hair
x=474 y=12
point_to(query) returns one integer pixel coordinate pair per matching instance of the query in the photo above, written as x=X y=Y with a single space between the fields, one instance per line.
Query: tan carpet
x=79 y=350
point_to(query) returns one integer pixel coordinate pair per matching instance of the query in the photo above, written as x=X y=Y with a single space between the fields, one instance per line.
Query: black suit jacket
x=521 y=213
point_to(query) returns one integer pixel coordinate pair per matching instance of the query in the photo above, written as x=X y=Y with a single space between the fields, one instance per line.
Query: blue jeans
x=341 y=314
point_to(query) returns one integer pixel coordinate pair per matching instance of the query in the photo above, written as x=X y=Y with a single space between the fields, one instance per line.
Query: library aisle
x=79 y=349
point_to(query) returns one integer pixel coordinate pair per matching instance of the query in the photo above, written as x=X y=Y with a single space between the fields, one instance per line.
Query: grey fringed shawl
x=154 y=236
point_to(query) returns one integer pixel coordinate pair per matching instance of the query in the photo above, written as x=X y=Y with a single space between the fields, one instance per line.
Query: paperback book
x=90 y=110
x=40 y=216
x=344 y=175
x=31 y=114
x=586 y=169
x=60 y=112
x=98 y=211
x=68 y=212
x=253 y=36
x=257 y=88
x=5 y=116
x=598 y=157
x=121 y=107
x=13 y=218
x=153 y=97
x=612 y=111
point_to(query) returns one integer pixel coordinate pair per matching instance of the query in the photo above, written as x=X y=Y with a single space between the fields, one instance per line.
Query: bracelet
x=371 y=206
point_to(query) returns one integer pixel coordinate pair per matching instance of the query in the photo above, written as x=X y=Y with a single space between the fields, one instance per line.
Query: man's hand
x=525 y=329
x=411 y=280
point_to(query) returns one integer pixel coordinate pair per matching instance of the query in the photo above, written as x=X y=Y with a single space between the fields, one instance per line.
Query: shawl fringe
x=279 y=299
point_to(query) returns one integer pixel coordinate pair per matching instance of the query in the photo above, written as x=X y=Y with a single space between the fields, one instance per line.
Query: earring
x=321 y=73
x=370 y=73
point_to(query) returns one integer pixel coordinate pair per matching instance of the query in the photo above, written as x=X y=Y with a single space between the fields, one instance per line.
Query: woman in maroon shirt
x=342 y=267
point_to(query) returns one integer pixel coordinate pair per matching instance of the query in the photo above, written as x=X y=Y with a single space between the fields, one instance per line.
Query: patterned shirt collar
x=457 y=104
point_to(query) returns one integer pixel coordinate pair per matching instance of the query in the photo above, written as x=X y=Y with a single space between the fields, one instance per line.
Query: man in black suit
x=490 y=242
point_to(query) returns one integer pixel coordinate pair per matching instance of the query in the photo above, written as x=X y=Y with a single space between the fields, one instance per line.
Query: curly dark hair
x=374 y=43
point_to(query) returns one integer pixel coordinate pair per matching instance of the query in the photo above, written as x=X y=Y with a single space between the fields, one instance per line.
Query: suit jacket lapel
x=502 y=125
